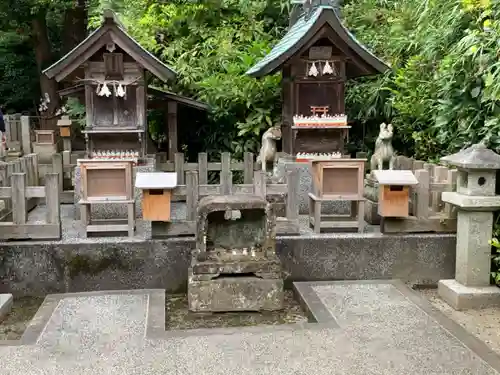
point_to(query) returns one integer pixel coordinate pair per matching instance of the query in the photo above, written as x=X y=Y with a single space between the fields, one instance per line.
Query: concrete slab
x=5 y=305
x=462 y=297
x=372 y=328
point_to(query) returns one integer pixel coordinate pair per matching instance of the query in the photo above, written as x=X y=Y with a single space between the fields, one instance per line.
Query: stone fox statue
x=383 y=148
x=268 y=148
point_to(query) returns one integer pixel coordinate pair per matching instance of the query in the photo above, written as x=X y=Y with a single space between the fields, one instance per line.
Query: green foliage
x=495 y=244
x=211 y=44
x=76 y=111
x=17 y=66
x=443 y=93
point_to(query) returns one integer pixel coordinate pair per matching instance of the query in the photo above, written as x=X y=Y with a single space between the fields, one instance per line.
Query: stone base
x=462 y=297
x=244 y=293
x=5 y=305
x=371 y=212
x=370 y=193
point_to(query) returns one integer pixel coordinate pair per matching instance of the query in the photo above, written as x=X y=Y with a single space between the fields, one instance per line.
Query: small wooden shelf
x=98 y=130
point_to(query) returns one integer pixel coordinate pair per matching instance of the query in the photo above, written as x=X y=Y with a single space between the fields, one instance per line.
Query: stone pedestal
x=371 y=195
x=239 y=286
x=234 y=266
x=476 y=200
x=101 y=211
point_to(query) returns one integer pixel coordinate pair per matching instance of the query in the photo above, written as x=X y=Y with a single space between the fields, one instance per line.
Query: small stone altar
x=234 y=266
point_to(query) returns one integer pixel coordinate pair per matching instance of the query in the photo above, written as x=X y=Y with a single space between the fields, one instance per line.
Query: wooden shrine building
x=316 y=57
x=113 y=71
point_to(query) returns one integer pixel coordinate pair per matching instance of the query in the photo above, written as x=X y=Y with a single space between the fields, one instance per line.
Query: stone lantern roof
x=477 y=156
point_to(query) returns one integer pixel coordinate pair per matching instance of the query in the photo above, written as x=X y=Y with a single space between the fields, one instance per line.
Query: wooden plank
x=52 y=190
x=19 y=212
x=172 y=229
x=440 y=176
x=25 y=133
x=450 y=211
x=422 y=194
x=203 y=168
x=259 y=184
x=34 y=161
x=226 y=177
x=29 y=192
x=57 y=167
x=287 y=227
x=204 y=190
x=418 y=164
x=248 y=168
x=179 y=167
x=10 y=231
x=67 y=197
x=172 y=129
x=160 y=160
x=100 y=228
x=292 y=197
x=418 y=225
x=191 y=195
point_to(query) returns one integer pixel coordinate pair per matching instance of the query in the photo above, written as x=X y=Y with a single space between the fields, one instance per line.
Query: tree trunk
x=43 y=56
x=75 y=25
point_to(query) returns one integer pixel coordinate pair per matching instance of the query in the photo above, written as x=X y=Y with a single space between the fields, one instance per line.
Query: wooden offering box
x=157 y=192
x=340 y=179
x=64 y=125
x=45 y=137
x=106 y=180
x=394 y=192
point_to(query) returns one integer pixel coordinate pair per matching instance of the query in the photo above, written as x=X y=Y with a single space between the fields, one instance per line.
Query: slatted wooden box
x=394 y=192
x=156 y=194
x=106 y=180
x=340 y=179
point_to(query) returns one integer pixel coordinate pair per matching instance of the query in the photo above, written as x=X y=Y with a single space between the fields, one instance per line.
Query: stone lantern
x=475 y=200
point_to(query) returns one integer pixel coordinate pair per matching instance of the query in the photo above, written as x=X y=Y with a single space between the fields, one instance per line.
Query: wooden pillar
x=287 y=109
x=172 y=129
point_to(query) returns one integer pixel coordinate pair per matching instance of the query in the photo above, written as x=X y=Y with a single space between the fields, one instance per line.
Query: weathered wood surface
x=226 y=165
x=19 y=193
x=427 y=210
x=194 y=191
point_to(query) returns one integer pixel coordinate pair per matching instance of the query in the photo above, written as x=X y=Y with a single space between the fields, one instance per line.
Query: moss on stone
x=95 y=264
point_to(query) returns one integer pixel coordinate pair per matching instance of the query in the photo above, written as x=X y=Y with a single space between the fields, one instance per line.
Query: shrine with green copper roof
x=316 y=56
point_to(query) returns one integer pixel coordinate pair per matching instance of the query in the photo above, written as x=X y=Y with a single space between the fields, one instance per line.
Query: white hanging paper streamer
x=105 y=91
x=327 y=69
x=313 y=71
x=120 y=92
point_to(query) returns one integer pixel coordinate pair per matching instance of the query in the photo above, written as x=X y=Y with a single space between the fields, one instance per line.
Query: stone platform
x=361 y=328
x=77 y=264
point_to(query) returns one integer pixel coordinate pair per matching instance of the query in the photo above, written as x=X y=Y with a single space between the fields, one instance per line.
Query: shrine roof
x=303 y=30
x=111 y=30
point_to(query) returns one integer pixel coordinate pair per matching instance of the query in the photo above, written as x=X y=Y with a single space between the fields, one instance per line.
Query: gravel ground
x=23 y=310
x=178 y=317
x=484 y=324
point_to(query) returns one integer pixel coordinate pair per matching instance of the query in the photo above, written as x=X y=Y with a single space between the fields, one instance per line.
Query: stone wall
x=30 y=268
